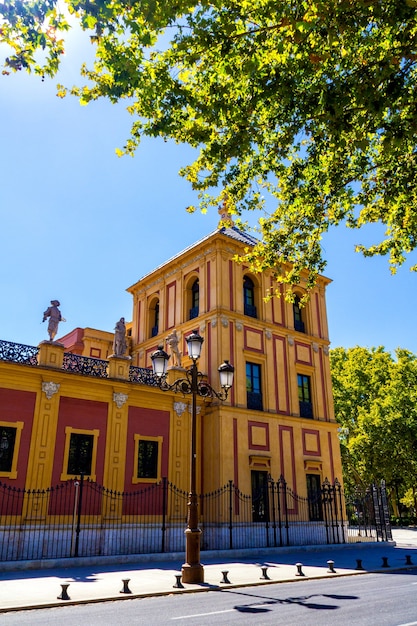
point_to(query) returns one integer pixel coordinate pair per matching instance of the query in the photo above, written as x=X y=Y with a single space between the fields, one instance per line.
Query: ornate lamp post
x=194 y=384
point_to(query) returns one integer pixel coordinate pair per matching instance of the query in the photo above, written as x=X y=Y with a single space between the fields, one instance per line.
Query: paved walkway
x=97 y=582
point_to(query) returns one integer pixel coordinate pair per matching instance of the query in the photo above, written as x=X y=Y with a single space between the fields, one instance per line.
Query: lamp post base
x=192 y=573
x=192 y=570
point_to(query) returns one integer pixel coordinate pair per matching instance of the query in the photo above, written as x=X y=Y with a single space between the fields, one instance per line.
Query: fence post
x=274 y=525
x=230 y=515
x=78 y=529
x=266 y=505
x=336 y=521
x=342 y=512
x=164 y=512
x=325 y=499
x=287 y=528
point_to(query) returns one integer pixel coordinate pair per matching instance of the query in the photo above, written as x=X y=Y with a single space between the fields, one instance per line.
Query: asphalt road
x=388 y=599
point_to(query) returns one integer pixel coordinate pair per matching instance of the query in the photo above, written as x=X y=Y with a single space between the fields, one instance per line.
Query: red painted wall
x=19 y=406
x=151 y=423
x=84 y=414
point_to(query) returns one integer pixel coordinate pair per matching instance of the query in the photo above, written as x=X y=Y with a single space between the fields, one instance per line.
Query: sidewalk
x=29 y=588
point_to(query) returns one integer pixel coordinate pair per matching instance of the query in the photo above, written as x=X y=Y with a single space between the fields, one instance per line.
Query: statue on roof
x=119 y=342
x=55 y=317
x=172 y=342
x=226 y=215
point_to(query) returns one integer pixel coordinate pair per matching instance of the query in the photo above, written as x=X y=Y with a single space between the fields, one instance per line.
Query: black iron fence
x=82 y=518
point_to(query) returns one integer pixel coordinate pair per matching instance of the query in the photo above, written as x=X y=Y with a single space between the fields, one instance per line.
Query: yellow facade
x=258 y=431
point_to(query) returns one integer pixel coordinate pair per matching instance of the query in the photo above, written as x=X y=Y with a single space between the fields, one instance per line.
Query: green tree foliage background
x=375 y=398
x=312 y=103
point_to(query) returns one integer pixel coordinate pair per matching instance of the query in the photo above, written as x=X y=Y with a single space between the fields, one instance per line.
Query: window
x=249 y=307
x=195 y=299
x=147 y=463
x=298 y=315
x=80 y=453
x=154 y=318
x=260 y=502
x=314 y=497
x=253 y=386
x=10 y=433
x=304 y=396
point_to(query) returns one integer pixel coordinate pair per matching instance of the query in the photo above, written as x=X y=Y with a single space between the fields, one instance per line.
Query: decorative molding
x=224 y=321
x=120 y=399
x=50 y=388
x=291 y=341
x=326 y=350
x=213 y=322
x=268 y=334
x=239 y=326
x=179 y=408
x=315 y=347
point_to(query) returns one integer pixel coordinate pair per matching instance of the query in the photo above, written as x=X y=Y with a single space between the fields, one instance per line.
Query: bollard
x=178 y=584
x=264 y=573
x=385 y=561
x=299 y=569
x=358 y=564
x=225 y=579
x=64 y=595
x=408 y=560
x=125 y=589
x=331 y=569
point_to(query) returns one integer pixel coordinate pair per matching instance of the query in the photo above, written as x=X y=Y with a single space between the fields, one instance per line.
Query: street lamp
x=194 y=384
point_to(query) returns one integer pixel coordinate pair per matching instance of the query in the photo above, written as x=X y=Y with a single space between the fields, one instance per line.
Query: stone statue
x=119 y=342
x=55 y=317
x=172 y=342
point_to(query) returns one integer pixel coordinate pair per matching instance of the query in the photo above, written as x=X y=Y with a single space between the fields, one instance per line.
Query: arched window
x=249 y=307
x=195 y=299
x=298 y=315
x=154 y=318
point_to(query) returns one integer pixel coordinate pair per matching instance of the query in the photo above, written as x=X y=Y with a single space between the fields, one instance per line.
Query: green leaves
x=375 y=400
x=312 y=105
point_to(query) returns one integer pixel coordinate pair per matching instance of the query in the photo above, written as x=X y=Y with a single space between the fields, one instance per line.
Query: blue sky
x=81 y=225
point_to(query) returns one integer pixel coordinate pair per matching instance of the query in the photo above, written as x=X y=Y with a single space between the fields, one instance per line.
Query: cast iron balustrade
x=306 y=410
x=40 y=523
x=18 y=353
x=142 y=375
x=87 y=366
x=254 y=401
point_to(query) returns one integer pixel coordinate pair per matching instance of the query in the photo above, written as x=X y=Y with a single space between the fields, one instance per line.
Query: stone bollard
x=264 y=574
x=385 y=561
x=178 y=584
x=359 y=564
x=225 y=580
x=125 y=589
x=299 y=569
x=408 y=560
x=64 y=594
x=331 y=569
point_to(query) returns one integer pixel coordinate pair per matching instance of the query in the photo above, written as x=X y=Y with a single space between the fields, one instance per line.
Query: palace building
x=72 y=406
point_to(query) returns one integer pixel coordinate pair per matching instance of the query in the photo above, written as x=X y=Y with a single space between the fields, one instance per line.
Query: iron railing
x=73 y=363
x=82 y=518
x=18 y=353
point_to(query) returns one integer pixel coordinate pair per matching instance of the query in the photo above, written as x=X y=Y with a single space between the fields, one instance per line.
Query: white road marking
x=205 y=614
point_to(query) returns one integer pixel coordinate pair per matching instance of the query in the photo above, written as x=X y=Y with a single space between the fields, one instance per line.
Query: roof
x=233 y=232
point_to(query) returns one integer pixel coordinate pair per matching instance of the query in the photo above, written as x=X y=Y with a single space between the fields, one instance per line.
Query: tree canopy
x=310 y=103
x=375 y=398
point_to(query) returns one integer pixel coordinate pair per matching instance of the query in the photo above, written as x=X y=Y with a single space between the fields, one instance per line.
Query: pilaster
x=51 y=354
x=119 y=367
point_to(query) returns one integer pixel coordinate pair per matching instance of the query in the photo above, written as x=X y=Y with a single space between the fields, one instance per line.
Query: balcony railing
x=73 y=363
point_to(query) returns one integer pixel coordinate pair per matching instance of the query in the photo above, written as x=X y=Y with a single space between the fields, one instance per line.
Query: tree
x=375 y=398
x=313 y=103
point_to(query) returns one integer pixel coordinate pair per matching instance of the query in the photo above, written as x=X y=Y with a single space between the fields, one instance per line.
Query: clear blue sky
x=81 y=225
